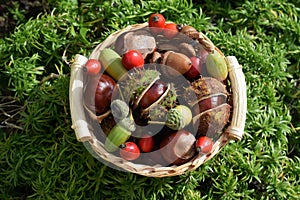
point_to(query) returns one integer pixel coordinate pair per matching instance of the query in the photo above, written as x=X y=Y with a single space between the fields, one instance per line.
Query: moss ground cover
x=40 y=157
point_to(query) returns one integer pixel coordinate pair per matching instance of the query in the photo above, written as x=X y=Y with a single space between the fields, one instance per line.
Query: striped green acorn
x=112 y=63
x=216 y=66
x=119 y=134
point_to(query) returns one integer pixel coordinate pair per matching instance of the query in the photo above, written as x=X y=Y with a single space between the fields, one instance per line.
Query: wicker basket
x=85 y=132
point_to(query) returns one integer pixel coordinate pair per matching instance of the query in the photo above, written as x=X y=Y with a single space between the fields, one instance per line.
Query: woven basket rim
x=84 y=132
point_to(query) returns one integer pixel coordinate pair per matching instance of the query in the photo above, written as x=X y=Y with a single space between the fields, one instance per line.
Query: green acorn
x=119 y=134
x=216 y=66
x=119 y=109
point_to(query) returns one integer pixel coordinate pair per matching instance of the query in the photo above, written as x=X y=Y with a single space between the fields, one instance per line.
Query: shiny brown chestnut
x=211 y=102
x=153 y=94
x=211 y=110
x=178 y=147
x=103 y=93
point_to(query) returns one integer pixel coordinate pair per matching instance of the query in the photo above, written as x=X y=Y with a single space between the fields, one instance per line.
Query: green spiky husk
x=159 y=112
x=136 y=82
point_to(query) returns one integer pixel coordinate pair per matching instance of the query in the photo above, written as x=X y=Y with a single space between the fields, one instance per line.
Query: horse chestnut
x=98 y=93
x=178 y=147
x=153 y=94
x=211 y=111
x=211 y=102
x=103 y=95
x=146 y=143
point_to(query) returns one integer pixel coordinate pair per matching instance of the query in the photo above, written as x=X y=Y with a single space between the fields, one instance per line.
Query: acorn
x=119 y=109
x=210 y=110
x=178 y=64
x=216 y=65
x=119 y=134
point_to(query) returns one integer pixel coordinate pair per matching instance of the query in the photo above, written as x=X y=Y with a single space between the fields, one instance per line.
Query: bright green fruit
x=112 y=63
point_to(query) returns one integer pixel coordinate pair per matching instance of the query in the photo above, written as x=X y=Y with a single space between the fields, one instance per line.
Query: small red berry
x=204 y=144
x=132 y=59
x=130 y=151
x=156 y=23
x=92 y=67
x=146 y=143
x=170 y=30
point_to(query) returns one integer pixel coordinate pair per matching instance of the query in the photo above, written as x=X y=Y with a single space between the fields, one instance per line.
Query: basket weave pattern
x=85 y=132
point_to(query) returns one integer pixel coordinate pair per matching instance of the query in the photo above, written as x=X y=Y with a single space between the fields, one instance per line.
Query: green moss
x=40 y=157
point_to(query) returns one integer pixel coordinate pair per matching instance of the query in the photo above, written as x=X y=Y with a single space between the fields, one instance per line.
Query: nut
x=212 y=121
x=210 y=109
x=190 y=31
x=178 y=147
x=216 y=66
x=178 y=63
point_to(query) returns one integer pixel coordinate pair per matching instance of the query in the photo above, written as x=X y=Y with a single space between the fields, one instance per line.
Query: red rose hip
x=130 y=151
x=132 y=59
x=170 y=30
x=204 y=144
x=156 y=23
x=92 y=67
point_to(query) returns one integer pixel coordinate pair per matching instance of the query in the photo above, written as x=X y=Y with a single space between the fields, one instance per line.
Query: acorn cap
x=119 y=109
x=127 y=124
x=175 y=119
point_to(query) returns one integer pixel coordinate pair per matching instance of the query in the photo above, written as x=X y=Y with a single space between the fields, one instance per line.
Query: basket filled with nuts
x=157 y=99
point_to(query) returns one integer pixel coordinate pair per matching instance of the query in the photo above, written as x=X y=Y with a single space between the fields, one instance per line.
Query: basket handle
x=79 y=123
x=236 y=129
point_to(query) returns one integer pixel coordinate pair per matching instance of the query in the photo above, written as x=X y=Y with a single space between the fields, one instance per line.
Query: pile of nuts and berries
x=159 y=94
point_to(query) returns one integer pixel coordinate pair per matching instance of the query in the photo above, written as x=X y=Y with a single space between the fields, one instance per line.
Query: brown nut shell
x=177 y=62
x=203 y=88
x=190 y=31
x=210 y=102
x=212 y=122
x=156 y=57
x=163 y=47
x=141 y=40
